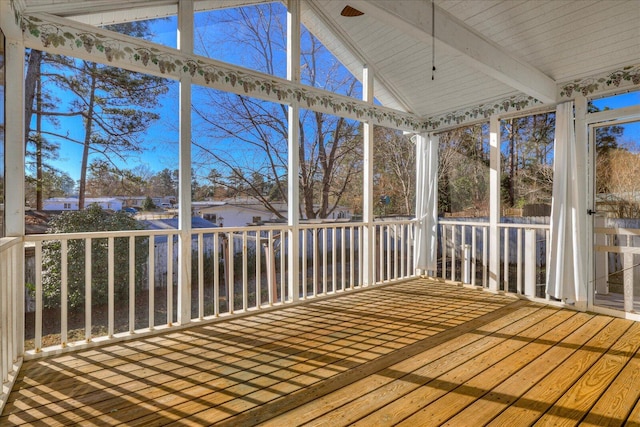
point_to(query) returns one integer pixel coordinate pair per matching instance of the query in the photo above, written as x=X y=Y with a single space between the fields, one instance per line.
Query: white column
x=530 y=262
x=14 y=177
x=368 y=241
x=185 y=44
x=599 y=260
x=494 y=203
x=584 y=229
x=14 y=139
x=293 y=160
x=426 y=236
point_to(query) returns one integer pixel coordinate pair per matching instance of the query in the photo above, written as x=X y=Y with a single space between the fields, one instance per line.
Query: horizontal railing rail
x=87 y=288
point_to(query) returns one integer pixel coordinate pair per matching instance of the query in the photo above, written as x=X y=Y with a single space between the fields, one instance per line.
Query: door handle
x=591 y=212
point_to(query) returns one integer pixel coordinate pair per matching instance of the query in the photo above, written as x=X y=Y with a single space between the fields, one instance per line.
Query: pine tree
x=116 y=106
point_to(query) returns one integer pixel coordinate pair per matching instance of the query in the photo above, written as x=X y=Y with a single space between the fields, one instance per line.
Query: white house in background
x=197 y=207
x=236 y=213
x=71 y=203
x=241 y=212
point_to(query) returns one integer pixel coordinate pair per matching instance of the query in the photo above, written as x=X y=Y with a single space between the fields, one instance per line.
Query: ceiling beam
x=73 y=8
x=415 y=19
x=382 y=83
x=105 y=12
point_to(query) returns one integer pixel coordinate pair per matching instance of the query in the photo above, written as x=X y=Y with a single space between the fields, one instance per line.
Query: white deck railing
x=464 y=255
x=232 y=271
x=617 y=267
x=93 y=287
x=11 y=312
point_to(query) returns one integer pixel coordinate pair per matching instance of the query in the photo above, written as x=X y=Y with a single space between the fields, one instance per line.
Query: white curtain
x=426 y=237
x=565 y=277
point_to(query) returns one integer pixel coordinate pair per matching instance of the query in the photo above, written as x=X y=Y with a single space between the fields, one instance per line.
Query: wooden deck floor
x=415 y=353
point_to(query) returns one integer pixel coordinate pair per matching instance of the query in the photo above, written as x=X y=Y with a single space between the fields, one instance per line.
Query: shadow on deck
x=414 y=353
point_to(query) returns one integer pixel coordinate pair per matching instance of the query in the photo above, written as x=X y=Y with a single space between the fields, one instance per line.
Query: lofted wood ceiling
x=485 y=50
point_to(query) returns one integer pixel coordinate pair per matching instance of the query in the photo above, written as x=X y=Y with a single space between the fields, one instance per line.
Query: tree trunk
x=305 y=181
x=39 y=143
x=32 y=76
x=87 y=140
x=512 y=172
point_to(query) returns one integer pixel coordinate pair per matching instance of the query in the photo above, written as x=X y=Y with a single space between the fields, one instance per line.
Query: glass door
x=616 y=215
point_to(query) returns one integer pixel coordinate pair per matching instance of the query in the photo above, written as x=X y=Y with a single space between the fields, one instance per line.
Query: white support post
x=132 y=283
x=494 y=203
x=584 y=231
x=530 y=262
x=519 y=261
x=453 y=252
x=466 y=261
x=474 y=248
x=14 y=177
x=443 y=250
x=601 y=260
x=87 y=288
x=484 y=257
x=367 y=209
x=505 y=264
x=425 y=250
x=293 y=189
x=14 y=140
x=185 y=44
x=627 y=280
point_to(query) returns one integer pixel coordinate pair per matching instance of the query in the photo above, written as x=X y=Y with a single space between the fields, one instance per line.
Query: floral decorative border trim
x=626 y=77
x=101 y=45
x=482 y=111
x=207 y=72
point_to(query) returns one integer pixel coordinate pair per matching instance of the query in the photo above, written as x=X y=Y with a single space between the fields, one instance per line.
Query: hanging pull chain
x=433 y=41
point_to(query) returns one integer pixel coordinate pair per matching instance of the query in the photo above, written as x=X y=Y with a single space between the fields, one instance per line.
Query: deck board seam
x=522 y=399
x=585 y=370
x=500 y=333
x=204 y=327
x=325 y=380
x=377 y=365
x=572 y=317
x=402 y=374
x=428 y=351
x=620 y=371
x=524 y=391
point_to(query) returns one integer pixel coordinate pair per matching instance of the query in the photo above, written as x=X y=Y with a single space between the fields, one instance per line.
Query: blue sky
x=631 y=130
x=161 y=140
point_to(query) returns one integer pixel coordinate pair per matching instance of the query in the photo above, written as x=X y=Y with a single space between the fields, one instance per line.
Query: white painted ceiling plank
x=483 y=55
x=348 y=44
x=512 y=17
